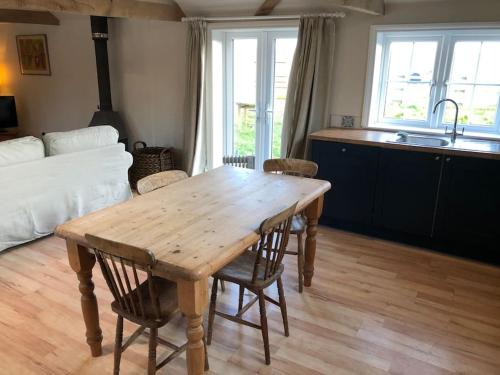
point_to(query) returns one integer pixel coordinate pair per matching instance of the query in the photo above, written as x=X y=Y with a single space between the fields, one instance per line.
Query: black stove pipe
x=99 y=27
x=105 y=115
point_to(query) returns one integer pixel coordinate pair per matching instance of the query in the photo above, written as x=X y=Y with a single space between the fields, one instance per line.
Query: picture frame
x=33 y=54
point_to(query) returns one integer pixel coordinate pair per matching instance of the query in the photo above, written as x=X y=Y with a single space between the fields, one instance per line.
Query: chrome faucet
x=453 y=133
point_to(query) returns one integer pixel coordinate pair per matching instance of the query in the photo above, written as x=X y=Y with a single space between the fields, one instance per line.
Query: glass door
x=282 y=45
x=257 y=71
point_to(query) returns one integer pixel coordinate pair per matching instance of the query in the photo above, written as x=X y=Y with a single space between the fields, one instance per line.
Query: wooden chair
x=159 y=180
x=151 y=304
x=256 y=270
x=299 y=168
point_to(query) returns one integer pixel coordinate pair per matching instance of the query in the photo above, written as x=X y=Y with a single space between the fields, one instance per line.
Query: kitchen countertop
x=464 y=146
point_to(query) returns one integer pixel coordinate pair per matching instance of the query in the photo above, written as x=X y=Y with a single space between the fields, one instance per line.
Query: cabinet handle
x=344 y=149
x=437 y=158
x=448 y=160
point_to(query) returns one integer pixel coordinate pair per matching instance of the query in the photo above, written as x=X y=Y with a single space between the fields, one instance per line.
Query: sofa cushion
x=79 y=140
x=21 y=150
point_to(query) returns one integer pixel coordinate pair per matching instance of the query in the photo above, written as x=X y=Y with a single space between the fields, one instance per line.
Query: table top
x=196 y=226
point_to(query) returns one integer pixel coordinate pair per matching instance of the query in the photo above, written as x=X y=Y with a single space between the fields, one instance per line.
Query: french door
x=258 y=65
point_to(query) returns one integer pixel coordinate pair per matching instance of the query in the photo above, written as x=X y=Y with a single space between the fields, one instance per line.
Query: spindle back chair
x=298 y=168
x=256 y=270
x=292 y=167
x=140 y=297
x=159 y=180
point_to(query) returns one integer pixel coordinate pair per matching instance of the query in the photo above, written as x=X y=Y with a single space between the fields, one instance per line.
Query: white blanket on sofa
x=37 y=196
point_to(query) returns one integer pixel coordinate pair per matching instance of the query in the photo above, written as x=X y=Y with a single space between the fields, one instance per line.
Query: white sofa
x=44 y=183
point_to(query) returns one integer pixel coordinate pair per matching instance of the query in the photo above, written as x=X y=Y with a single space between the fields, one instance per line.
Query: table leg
x=193 y=299
x=313 y=213
x=82 y=262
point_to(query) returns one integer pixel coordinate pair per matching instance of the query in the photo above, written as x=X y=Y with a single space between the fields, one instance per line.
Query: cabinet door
x=352 y=171
x=407 y=192
x=469 y=208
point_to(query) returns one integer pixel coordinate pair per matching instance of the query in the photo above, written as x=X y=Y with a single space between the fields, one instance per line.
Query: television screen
x=8 y=115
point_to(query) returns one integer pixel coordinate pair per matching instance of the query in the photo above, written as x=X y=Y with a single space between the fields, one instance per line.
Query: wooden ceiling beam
x=28 y=16
x=105 y=8
x=374 y=7
x=267 y=7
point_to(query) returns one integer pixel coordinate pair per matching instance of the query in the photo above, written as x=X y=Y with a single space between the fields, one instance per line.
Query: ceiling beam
x=374 y=7
x=28 y=16
x=267 y=7
x=105 y=8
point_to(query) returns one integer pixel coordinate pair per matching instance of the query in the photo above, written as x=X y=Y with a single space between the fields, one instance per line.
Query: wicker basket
x=148 y=161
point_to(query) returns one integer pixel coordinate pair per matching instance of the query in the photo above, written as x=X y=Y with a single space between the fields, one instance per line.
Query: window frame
x=446 y=35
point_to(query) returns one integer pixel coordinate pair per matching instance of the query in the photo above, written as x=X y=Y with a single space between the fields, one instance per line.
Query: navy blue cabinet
x=352 y=169
x=407 y=191
x=468 y=215
x=447 y=203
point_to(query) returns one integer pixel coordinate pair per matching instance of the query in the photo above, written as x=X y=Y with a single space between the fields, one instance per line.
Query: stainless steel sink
x=420 y=140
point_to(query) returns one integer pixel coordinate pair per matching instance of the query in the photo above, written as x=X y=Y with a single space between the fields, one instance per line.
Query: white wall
x=66 y=99
x=148 y=74
x=147 y=64
x=148 y=68
x=351 y=50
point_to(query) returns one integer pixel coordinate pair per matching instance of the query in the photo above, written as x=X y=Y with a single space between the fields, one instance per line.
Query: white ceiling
x=249 y=7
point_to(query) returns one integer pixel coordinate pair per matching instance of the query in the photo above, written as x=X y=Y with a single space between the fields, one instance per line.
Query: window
x=255 y=70
x=410 y=70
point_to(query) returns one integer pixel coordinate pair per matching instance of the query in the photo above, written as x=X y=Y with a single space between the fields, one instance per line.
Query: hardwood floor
x=375 y=307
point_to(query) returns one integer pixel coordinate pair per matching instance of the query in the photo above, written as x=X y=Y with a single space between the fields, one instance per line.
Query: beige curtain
x=308 y=100
x=195 y=147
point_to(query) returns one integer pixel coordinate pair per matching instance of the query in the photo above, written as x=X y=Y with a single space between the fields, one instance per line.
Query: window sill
x=440 y=132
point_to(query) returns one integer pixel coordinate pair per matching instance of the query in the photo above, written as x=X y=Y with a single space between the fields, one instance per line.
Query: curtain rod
x=261 y=18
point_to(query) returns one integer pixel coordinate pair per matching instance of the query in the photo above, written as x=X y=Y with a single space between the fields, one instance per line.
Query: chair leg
x=153 y=333
x=207 y=366
x=240 y=300
x=300 y=261
x=281 y=293
x=118 y=344
x=263 y=325
x=211 y=311
x=222 y=286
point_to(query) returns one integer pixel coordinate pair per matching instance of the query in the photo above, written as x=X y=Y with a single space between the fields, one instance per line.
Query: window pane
x=407 y=101
x=484 y=105
x=411 y=69
x=424 y=58
x=489 y=70
x=477 y=104
x=465 y=60
x=400 y=60
x=412 y=61
x=474 y=69
x=244 y=94
x=285 y=49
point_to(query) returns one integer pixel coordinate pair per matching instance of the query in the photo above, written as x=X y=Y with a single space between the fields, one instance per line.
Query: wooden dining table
x=194 y=228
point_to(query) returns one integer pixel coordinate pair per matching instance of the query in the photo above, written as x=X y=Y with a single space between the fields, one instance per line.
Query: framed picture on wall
x=33 y=54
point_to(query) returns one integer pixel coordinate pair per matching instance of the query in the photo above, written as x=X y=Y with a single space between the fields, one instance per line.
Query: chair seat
x=240 y=271
x=298 y=224
x=167 y=296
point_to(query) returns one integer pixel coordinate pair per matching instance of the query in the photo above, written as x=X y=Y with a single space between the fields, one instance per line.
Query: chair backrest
x=293 y=167
x=240 y=161
x=274 y=234
x=122 y=266
x=159 y=180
